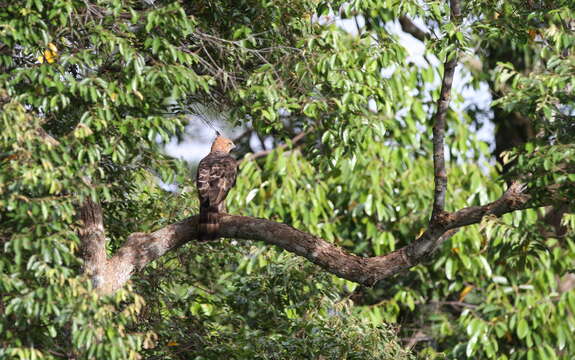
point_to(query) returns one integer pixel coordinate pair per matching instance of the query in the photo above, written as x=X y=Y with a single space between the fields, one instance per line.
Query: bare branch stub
x=92 y=239
x=455 y=6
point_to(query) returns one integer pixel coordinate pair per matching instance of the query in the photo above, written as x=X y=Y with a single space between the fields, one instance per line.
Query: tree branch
x=455 y=10
x=513 y=199
x=439 y=172
x=143 y=248
x=263 y=153
x=409 y=27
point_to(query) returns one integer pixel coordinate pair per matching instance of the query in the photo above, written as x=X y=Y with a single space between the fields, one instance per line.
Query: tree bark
x=93 y=241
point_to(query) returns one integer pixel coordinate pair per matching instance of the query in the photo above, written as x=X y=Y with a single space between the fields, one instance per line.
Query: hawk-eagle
x=216 y=176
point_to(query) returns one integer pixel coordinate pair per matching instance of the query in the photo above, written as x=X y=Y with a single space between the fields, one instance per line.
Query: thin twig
x=419 y=336
x=263 y=153
x=456 y=304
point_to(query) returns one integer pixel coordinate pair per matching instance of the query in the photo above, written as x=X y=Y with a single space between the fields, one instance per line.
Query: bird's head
x=222 y=144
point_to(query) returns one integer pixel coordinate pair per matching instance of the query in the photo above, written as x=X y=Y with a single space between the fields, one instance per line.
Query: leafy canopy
x=91 y=91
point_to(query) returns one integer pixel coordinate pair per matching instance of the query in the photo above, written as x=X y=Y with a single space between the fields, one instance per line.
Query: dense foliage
x=91 y=91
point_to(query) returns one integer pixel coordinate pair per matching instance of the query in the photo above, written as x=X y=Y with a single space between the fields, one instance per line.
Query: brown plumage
x=216 y=176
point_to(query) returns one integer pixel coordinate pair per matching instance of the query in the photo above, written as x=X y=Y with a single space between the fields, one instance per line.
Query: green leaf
x=522 y=328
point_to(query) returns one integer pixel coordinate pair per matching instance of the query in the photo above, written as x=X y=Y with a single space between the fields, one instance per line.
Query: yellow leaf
x=465 y=291
x=421 y=231
x=49 y=55
x=139 y=94
x=52 y=47
x=173 y=343
x=82 y=131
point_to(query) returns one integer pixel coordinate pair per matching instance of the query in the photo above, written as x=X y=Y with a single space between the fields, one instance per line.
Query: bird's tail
x=208 y=225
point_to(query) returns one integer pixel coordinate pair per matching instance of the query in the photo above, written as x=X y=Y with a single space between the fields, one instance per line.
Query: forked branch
x=142 y=248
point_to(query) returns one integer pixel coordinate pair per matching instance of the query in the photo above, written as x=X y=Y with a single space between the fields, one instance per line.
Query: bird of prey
x=215 y=177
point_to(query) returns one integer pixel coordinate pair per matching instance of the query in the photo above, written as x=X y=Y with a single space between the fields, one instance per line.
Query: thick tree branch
x=439 y=172
x=143 y=248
